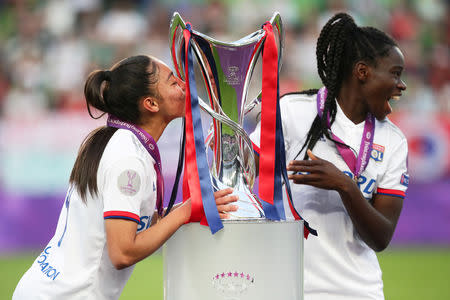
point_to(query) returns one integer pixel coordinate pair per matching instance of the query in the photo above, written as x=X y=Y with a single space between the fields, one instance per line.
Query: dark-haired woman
x=116 y=186
x=348 y=161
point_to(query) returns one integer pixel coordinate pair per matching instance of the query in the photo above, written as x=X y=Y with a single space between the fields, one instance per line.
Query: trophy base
x=246 y=260
x=248 y=205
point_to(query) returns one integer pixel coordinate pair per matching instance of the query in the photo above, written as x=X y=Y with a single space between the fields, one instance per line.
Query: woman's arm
x=126 y=248
x=374 y=223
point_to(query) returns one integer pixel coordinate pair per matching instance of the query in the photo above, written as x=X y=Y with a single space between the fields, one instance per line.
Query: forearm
x=130 y=251
x=126 y=248
x=375 y=222
x=374 y=228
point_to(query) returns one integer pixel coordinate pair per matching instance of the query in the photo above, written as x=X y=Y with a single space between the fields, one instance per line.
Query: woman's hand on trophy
x=223 y=202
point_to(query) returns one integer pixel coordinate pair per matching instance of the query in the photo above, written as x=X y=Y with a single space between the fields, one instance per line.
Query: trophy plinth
x=237 y=263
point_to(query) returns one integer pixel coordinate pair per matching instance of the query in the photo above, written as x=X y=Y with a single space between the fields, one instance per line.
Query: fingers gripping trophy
x=256 y=244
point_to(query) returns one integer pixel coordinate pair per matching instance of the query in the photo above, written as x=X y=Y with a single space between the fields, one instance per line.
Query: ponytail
x=93 y=91
x=84 y=172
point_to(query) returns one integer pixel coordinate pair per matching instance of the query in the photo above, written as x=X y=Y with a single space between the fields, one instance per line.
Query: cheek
x=382 y=90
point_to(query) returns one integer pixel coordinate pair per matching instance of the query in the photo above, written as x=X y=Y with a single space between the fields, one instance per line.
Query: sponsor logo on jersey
x=404 y=180
x=366 y=185
x=377 y=152
x=144 y=223
x=45 y=265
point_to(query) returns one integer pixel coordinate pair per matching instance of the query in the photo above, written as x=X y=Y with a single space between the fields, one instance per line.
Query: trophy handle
x=278 y=25
x=176 y=22
x=250 y=174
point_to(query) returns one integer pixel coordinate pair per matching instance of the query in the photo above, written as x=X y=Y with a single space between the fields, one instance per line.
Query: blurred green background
x=408 y=274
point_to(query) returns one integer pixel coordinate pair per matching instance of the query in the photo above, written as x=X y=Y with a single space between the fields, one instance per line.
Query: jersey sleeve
x=124 y=189
x=396 y=179
x=255 y=136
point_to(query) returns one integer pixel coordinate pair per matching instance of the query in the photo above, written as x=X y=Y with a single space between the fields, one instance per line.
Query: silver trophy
x=227 y=69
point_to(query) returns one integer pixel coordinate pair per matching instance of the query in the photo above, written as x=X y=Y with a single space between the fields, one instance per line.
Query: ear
x=361 y=71
x=151 y=104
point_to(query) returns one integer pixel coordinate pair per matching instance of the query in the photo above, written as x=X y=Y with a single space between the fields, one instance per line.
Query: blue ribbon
x=276 y=211
x=208 y=200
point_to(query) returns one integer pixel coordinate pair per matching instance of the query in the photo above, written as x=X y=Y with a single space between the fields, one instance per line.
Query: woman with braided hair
x=348 y=161
x=108 y=219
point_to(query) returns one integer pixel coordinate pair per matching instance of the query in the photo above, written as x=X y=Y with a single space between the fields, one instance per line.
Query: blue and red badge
x=377 y=152
x=405 y=179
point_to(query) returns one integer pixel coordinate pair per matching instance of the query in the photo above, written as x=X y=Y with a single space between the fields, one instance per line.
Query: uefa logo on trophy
x=227 y=68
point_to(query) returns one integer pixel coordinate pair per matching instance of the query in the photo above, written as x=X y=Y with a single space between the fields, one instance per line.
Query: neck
x=153 y=127
x=352 y=104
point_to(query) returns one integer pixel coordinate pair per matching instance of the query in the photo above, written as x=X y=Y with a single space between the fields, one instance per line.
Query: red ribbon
x=268 y=116
x=191 y=184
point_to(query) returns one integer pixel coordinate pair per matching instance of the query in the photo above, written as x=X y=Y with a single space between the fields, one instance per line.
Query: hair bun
x=107 y=75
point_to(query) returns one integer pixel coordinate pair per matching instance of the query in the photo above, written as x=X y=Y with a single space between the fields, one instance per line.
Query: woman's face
x=171 y=89
x=384 y=83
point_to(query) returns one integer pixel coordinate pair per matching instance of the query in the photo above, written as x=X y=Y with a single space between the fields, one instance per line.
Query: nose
x=401 y=85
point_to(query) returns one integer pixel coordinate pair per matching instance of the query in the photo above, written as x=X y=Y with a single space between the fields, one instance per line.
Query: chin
x=381 y=117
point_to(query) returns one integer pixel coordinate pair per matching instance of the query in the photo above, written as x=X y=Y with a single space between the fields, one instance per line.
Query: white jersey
x=338 y=264
x=75 y=264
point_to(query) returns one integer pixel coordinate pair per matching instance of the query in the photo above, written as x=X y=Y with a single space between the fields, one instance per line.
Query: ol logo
x=377 y=152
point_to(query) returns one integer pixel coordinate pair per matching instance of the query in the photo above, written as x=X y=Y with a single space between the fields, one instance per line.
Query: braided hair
x=340 y=45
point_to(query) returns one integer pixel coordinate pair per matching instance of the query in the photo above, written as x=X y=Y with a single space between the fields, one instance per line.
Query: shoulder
x=390 y=131
x=298 y=107
x=391 y=139
x=298 y=98
x=124 y=144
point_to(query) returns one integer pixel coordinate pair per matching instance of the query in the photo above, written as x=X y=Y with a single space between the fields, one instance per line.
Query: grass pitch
x=408 y=274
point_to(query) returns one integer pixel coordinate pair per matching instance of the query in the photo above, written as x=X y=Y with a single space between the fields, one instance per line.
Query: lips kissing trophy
x=256 y=253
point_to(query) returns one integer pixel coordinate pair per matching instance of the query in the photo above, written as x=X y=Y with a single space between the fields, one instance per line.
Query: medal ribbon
x=152 y=148
x=358 y=164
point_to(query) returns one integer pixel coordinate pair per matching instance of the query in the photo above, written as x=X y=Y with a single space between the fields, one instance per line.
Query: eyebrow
x=397 y=67
x=170 y=75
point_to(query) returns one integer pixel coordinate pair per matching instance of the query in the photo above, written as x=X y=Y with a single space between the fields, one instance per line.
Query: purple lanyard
x=356 y=164
x=150 y=145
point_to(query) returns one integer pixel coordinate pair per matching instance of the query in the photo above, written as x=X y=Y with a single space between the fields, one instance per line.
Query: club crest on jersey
x=404 y=180
x=129 y=182
x=377 y=152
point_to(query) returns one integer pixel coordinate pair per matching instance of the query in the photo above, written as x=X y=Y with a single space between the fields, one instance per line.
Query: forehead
x=161 y=65
x=394 y=58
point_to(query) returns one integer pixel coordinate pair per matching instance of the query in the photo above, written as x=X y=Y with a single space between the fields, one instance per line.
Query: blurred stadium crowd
x=47 y=48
